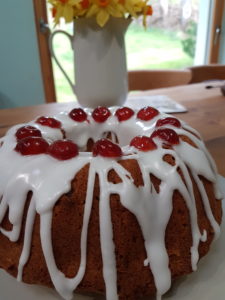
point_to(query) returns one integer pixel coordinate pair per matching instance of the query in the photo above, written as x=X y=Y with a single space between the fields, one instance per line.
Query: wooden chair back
x=207 y=72
x=154 y=79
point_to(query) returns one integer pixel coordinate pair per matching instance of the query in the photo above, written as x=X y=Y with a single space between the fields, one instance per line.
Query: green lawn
x=151 y=48
x=154 y=48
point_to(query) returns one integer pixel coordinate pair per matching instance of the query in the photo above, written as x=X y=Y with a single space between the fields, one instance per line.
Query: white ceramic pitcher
x=99 y=61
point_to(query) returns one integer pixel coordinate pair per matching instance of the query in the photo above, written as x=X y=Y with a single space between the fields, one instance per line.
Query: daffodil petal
x=102 y=17
x=68 y=13
x=59 y=13
x=115 y=13
x=73 y=2
x=92 y=11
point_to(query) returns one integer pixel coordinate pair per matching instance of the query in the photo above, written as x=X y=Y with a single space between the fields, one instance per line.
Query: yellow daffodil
x=102 y=10
x=82 y=8
x=64 y=8
x=147 y=11
x=133 y=7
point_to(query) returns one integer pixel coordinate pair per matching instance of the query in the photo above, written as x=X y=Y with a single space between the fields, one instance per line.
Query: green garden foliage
x=189 y=41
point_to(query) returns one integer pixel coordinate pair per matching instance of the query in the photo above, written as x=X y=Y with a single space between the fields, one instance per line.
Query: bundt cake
x=108 y=201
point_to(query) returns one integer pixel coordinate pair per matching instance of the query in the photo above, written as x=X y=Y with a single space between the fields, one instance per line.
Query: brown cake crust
x=134 y=280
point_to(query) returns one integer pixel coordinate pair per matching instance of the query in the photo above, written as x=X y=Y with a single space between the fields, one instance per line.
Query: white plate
x=162 y=102
x=207 y=283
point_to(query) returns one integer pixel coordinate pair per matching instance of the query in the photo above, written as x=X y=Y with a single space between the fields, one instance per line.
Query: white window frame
x=203 y=32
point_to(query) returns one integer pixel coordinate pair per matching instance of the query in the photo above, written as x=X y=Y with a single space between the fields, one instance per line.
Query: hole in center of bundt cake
x=106 y=135
x=110 y=135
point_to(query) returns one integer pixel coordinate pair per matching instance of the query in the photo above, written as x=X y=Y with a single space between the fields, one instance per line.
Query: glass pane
x=64 y=54
x=170 y=38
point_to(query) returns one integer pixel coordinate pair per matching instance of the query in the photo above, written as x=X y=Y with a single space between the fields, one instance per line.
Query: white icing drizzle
x=106 y=231
x=40 y=175
x=27 y=240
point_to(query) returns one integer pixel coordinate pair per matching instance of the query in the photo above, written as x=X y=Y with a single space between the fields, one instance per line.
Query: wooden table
x=206 y=113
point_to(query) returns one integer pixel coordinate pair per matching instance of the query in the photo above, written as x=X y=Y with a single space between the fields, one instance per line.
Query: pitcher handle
x=52 y=51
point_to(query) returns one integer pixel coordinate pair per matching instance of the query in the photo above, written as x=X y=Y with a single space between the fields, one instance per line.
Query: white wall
x=20 y=74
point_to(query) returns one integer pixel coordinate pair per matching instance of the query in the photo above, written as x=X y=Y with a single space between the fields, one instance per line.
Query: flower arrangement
x=102 y=10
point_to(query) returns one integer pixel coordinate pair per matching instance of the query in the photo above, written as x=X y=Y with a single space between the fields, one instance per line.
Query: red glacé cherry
x=101 y=114
x=106 y=148
x=32 y=146
x=63 y=149
x=78 y=115
x=124 y=113
x=147 y=113
x=168 y=121
x=50 y=122
x=26 y=131
x=143 y=143
x=166 y=134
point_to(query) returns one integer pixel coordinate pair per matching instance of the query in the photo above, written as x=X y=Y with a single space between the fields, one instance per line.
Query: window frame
x=40 y=13
x=210 y=17
x=217 y=20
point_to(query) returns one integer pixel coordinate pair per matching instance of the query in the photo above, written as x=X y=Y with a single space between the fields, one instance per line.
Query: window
x=177 y=36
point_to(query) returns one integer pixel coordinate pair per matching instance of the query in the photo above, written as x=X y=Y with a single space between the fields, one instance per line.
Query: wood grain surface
x=206 y=113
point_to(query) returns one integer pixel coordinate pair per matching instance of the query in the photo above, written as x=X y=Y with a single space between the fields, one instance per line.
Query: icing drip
x=40 y=175
x=152 y=219
x=102 y=168
x=27 y=240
